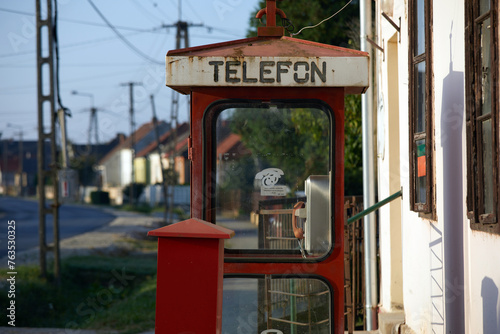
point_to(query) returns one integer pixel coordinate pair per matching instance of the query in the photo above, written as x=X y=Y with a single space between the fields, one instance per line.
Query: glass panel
x=419 y=27
x=485 y=67
x=484 y=6
x=289 y=305
x=487 y=166
x=420 y=89
x=269 y=158
x=421 y=173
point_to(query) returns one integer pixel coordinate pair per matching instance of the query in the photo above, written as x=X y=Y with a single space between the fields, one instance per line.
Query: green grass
x=107 y=293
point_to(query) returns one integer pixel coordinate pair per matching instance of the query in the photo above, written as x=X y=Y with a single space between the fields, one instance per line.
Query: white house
x=437 y=98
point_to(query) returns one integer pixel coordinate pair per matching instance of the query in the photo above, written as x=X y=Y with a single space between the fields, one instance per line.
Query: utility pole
x=20 y=157
x=46 y=105
x=93 y=123
x=132 y=137
x=5 y=154
x=182 y=35
x=158 y=149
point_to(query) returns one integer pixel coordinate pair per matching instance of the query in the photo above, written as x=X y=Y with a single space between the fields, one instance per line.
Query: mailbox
x=267 y=161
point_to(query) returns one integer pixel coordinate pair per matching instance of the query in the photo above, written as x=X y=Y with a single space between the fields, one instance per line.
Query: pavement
x=112 y=238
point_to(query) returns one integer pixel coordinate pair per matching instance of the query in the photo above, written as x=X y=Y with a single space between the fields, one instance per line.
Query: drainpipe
x=371 y=300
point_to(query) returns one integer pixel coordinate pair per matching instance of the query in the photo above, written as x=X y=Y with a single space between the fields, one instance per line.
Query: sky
x=95 y=61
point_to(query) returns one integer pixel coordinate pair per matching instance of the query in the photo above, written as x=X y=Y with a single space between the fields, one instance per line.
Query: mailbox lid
x=193 y=228
x=267 y=62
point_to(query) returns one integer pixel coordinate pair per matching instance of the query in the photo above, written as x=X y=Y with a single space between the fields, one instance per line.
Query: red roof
x=182 y=129
x=193 y=228
x=127 y=143
x=230 y=144
x=270 y=46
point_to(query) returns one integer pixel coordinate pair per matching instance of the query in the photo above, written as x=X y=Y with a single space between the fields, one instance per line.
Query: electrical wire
x=194 y=11
x=56 y=42
x=96 y=24
x=130 y=45
x=316 y=25
x=155 y=5
x=145 y=12
x=79 y=44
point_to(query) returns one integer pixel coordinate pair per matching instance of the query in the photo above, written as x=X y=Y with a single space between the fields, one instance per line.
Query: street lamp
x=21 y=156
x=93 y=115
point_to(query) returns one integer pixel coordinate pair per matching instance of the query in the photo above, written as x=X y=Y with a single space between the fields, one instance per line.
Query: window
x=420 y=106
x=482 y=114
x=274 y=304
x=272 y=172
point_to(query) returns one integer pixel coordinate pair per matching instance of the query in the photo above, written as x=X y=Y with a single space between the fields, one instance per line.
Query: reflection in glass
x=264 y=156
x=420 y=97
x=421 y=172
x=484 y=6
x=485 y=67
x=419 y=27
x=291 y=305
x=487 y=166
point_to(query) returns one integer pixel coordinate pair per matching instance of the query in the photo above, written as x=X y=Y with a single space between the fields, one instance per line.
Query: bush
x=138 y=189
x=99 y=197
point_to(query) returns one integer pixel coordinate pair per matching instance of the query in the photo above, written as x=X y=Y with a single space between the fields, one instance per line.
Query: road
x=73 y=220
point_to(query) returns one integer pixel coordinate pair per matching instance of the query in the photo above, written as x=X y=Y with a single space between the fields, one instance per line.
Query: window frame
x=479 y=219
x=428 y=207
x=210 y=117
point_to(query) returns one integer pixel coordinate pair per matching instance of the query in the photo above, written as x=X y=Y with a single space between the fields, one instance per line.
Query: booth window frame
x=210 y=117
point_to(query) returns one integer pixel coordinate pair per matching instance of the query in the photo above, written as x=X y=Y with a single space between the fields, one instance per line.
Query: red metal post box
x=190 y=270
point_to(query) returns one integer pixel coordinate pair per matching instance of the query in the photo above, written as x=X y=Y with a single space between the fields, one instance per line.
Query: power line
x=95 y=24
x=194 y=11
x=145 y=11
x=130 y=45
x=155 y=5
x=89 y=42
x=316 y=25
x=29 y=66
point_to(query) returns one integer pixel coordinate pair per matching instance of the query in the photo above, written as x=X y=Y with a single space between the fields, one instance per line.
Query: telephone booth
x=267 y=161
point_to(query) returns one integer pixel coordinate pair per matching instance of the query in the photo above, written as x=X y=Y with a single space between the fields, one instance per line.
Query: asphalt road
x=73 y=220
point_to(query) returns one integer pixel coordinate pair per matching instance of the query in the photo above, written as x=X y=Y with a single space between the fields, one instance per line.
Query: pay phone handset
x=314 y=236
x=299 y=210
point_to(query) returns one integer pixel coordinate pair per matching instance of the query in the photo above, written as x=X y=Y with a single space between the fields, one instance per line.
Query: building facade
x=436 y=91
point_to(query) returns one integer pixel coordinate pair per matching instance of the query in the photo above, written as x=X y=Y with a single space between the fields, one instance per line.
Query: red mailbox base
x=189 y=277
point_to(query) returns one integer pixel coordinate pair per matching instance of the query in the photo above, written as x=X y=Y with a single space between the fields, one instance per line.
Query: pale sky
x=93 y=60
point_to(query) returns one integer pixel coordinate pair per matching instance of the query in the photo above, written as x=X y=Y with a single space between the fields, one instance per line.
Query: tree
x=342 y=30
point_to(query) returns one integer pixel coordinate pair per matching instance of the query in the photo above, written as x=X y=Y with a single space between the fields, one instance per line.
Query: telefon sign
x=262 y=71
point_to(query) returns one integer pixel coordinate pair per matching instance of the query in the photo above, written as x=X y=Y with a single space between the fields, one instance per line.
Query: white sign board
x=197 y=71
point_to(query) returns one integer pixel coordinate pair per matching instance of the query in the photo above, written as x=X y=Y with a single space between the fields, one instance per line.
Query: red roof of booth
x=268 y=47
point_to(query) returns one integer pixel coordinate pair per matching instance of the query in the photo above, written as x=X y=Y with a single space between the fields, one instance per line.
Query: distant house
x=148 y=160
x=116 y=166
x=10 y=166
x=83 y=158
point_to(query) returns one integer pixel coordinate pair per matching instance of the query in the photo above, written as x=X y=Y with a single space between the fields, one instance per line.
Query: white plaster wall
x=126 y=167
x=451 y=275
x=155 y=168
x=450 y=157
x=391 y=292
x=416 y=233
x=483 y=285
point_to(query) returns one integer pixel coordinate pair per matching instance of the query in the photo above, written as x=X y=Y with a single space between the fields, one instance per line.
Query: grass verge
x=105 y=293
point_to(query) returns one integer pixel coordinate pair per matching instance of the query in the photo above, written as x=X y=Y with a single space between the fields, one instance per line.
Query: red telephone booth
x=267 y=161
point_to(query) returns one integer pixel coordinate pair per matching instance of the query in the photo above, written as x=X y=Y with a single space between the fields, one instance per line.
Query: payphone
x=267 y=161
